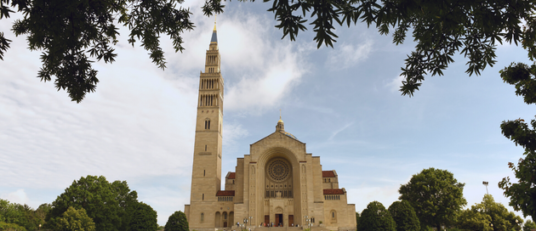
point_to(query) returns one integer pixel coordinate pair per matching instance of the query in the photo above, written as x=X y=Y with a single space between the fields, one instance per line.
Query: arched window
x=202 y=217
x=333 y=216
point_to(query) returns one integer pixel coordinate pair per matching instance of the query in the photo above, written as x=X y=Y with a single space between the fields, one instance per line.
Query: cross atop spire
x=215 y=17
x=214 y=34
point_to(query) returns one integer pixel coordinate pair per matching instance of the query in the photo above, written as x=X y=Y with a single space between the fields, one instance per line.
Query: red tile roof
x=232 y=175
x=333 y=191
x=225 y=193
x=328 y=174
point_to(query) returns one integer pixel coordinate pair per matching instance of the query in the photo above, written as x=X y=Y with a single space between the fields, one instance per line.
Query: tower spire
x=214 y=33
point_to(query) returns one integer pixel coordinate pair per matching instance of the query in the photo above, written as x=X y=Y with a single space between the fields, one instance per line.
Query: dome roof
x=289 y=135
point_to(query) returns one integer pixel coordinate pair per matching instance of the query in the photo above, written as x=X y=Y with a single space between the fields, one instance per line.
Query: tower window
x=207 y=124
x=202 y=217
x=204 y=171
x=205 y=148
x=203 y=197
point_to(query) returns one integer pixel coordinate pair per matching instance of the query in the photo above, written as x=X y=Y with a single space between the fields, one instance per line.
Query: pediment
x=279 y=135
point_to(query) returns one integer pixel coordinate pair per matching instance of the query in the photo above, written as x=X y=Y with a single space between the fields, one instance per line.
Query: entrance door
x=290 y=220
x=225 y=224
x=266 y=220
x=278 y=220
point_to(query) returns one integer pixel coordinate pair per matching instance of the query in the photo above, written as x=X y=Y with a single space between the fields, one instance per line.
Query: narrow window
x=333 y=214
x=205 y=148
x=203 y=197
x=204 y=171
x=202 y=217
x=233 y=181
x=267 y=194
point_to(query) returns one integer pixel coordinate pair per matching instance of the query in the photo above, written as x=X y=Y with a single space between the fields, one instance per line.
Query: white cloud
x=267 y=69
x=340 y=130
x=18 y=197
x=347 y=55
x=395 y=84
x=232 y=133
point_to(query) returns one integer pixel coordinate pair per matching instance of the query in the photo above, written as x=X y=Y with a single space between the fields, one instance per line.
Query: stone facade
x=278 y=182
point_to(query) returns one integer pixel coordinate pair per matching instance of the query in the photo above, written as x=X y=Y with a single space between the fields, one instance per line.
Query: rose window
x=278 y=170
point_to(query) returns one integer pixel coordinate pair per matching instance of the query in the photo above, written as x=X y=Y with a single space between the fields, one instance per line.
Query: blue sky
x=343 y=102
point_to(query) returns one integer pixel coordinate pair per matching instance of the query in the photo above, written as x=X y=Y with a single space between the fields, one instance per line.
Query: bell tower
x=206 y=171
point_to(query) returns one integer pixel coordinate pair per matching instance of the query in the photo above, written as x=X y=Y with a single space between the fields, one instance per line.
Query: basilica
x=278 y=184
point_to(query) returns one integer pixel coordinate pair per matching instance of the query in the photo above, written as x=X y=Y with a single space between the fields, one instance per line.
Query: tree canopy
x=177 y=222
x=73 y=220
x=404 y=216
x=435 y=195
x=16 y=215
x=141 y=217
x=376 y=217
x=357 y=219
x=471 y=219
x=105 y=203
x=480 y=216
x=529 y=224
x=75 y=33
x=523 y=193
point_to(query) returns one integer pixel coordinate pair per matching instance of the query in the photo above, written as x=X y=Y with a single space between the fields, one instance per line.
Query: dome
x=289 y=135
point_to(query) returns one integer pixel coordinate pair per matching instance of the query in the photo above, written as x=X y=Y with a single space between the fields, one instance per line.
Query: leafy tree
x=522 y=194
x=141 y=217
x=404 y=216
x=471 y=219
x=11 y=227
x=10 y=213
x=357 y=220
x=480 y=216
x=22 y=215
x=177 y=222
x=126 y=199
x=529 y=225
x=71 y=33
x=42 y=211
x=435 y=195
x=376 y=217
x=73 y=220
x=103 y=202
